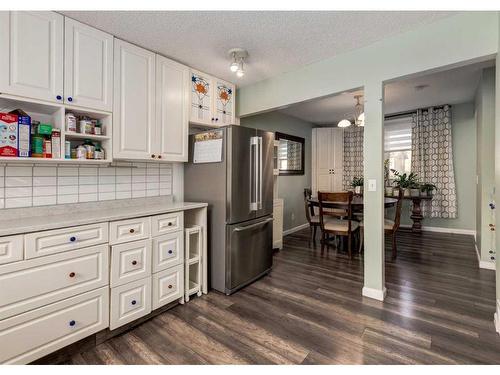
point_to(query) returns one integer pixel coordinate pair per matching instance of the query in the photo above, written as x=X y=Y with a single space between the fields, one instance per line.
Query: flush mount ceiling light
x=358 y=118
x=238 y=56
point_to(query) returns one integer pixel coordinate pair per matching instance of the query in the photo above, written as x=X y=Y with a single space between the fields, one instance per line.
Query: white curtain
x=432 y=159
x=353 y=155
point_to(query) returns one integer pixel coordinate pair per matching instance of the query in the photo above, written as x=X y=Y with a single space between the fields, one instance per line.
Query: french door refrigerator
x=234 y=175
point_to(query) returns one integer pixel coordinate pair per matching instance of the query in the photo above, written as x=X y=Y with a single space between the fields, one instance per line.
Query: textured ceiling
x=447 y=87
x=277 y=41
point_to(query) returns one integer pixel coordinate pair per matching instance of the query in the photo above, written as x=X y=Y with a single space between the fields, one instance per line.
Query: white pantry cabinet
x=172 y=110
x=328 y=159
x=212 y=100
x=31 y=62
x=88 y=66
x=134 y=102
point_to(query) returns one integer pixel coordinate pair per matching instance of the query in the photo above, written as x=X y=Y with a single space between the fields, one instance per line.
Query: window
x=397 y=145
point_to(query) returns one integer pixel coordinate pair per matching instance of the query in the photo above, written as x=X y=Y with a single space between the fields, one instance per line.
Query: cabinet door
x=201 y=99
x=31 y=62
x=172 y=110
x=223 y=102
x=337 y=140
x=88 y=66
x=323 y=160
x=134 y=102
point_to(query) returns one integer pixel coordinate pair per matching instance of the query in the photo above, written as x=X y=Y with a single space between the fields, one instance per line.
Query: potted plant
x=427 y=189
x=357 y=184
x=415 y=189
x=406 y=182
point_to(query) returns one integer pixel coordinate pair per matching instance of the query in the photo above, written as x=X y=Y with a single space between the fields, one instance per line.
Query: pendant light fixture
x=238 y=56
x=358 y=118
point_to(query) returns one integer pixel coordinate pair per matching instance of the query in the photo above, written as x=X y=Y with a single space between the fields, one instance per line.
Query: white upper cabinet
x=212 y=100
x=31 y=62
x=172 y=110
x=223 y=102
x=88 y=66
x=134 y=102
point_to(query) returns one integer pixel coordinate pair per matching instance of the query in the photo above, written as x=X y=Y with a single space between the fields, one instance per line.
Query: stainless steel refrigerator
x=238 y=186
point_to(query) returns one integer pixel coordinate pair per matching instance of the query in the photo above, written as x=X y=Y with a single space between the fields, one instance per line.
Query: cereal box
x=8 y=135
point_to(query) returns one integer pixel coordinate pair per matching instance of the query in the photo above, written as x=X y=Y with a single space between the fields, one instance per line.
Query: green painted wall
x=485 y=139
x=464 y=162
x=290 y=188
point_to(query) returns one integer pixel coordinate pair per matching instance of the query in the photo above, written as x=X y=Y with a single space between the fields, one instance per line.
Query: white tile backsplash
x=36 y=185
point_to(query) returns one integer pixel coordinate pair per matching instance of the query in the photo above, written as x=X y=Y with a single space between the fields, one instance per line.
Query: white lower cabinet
x=130 y=261
x=130 y=302
x=168 y=251
x=33 y=283
x=59 y=286
x=168 y=286
x=28 y=336
x=11 y=249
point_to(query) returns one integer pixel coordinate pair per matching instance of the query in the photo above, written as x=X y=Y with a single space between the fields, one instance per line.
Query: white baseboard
x=497 y=317
x=485 y=264
x=374 y=293
x=295 y=229
x=470 y=232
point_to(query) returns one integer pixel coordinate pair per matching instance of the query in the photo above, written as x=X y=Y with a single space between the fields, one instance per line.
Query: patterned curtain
x=353 y=155
x=432 y=159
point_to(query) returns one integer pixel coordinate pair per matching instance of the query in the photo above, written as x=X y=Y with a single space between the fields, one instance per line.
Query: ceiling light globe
x=234 y=67
x=240 y=73
x=344 y=123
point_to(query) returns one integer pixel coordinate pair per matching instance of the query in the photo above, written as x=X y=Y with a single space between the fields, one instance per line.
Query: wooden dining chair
x=339 y=221
x=390 y=226
x=312 y=219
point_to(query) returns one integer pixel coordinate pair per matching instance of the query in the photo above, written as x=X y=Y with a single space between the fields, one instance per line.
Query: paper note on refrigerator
x=208 y=147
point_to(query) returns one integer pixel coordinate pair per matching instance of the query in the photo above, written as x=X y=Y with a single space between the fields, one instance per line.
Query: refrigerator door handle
x=254 y=196
x=260 y=172
x=240 y=229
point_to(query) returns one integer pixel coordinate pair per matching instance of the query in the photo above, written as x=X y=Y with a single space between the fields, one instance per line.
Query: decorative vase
x=358 y=189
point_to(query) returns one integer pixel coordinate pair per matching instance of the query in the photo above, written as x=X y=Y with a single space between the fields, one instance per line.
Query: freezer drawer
x=249 y=252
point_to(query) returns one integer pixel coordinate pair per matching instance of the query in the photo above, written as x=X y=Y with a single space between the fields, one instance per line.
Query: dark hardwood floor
x=439 y=310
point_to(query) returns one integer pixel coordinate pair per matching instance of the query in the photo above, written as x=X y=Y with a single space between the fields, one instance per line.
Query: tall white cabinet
x=151 y=99
x=327 y=159
x=134 y=102
x=31 y=61
x=88 y=66
x=172 y=109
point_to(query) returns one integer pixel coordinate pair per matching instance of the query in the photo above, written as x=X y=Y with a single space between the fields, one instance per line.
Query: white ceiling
x=277 y=41
x=447 y=87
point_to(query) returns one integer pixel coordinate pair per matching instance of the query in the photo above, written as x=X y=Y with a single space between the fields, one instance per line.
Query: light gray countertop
x=34 y=219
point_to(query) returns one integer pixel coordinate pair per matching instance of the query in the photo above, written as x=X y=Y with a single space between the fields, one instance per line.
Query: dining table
x=356 y=204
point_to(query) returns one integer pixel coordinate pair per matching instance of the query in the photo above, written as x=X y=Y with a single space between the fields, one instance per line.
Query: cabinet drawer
x=130 y=302
x=168 y=286
x=59 y=240
x=11 y=249
x=130 y=261
x=168 y=251
x=168 y=223
x=41 y=331
x=33 y=283
x=129 y=230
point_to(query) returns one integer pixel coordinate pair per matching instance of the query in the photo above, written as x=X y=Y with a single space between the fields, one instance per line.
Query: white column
x=374 y=286
x=497 y=181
